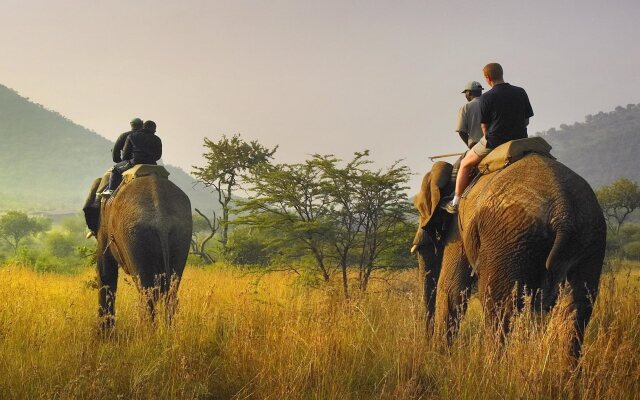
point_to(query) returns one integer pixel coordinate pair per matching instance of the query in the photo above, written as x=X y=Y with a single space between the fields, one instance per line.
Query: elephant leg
x=150 y=292
x=429 y=275
x=172 y=299
x=107 y=276
x=502 y=283
x=584 y=290
x=454 y=288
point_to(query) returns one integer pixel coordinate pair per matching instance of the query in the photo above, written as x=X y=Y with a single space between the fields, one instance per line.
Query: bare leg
x=469 y=162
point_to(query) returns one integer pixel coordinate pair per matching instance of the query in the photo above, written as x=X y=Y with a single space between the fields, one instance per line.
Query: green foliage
x=368 y=209
x=618 y=200
x=59 y=244
x=61 y=249
x=626 y=243
x=632 y=250
x=17 y=225
x=227 y=161
x=251 y=246
x=290 y=198
x=340 y=214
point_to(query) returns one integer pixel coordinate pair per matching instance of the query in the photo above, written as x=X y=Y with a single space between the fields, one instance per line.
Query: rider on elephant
x=116 y=153
x=505 y=111
x=141 y=147
x=468 y=122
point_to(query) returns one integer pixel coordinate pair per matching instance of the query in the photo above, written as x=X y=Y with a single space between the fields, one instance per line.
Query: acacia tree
x=336 y=211
x=290 y=199
x=339 y=183
x=617 y=201
x=228 y=160
x=385 y=208
x=203 y=224
x=16 y=226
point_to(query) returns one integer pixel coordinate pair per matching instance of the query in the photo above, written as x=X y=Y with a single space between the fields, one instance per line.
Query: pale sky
x=330 y=77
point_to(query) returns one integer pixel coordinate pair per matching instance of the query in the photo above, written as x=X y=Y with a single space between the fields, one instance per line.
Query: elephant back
x=141 y=170
x=512 y=151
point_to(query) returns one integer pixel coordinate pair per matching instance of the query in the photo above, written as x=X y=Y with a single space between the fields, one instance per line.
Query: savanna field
x=244 y=335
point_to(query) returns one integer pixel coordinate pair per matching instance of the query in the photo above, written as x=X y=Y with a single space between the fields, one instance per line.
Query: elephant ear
x=432 y=189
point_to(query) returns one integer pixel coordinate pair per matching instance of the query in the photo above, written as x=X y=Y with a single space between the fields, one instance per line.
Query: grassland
x=238 y=336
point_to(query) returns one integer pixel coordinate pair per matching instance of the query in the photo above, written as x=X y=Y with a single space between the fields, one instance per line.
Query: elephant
x=145 y=229
x=532 y=227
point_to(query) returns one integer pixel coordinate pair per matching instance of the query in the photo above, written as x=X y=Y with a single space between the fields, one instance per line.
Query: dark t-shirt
x=143 y=147
x=505 y=109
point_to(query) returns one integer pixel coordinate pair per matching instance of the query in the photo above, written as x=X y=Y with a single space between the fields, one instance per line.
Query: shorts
x=481 y=149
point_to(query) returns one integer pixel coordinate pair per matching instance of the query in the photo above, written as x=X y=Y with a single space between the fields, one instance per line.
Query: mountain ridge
x=50 y=161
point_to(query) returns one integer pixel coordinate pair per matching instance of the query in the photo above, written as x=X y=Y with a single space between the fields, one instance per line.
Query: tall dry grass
x=239 y=337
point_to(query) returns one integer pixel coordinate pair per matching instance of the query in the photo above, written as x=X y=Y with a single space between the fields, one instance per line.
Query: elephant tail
x=558 y=264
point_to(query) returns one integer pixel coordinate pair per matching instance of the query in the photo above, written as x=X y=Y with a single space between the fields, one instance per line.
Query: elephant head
x=428 y=241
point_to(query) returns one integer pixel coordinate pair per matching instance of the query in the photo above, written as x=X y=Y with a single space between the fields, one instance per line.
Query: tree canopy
x=17 y=225
x=618 y=200
x=227 y=161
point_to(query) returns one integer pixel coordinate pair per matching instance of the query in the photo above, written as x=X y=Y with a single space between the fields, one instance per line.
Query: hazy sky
x=314 y=77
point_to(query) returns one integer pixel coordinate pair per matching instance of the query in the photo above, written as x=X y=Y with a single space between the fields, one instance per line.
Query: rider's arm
x=117 y=148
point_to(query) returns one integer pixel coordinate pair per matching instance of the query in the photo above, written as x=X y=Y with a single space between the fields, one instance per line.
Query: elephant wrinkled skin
x=532 y=226
x=146 y=230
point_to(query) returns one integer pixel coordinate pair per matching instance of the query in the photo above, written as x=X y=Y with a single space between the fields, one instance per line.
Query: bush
x=195 y=260
x=24 y=257
x=632 y=250
x=48 y=263
x=59 y=244
x=249 y=246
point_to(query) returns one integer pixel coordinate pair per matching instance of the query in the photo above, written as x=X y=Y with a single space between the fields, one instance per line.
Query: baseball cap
x=473 y=85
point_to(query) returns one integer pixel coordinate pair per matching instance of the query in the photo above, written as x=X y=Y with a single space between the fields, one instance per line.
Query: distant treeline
x=601 y=149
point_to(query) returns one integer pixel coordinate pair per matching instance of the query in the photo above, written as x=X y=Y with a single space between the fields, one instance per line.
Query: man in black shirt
x=504 y=115
x=136 y=125
x=141 y=147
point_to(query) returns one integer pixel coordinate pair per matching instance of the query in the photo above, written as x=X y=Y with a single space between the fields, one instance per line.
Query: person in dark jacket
x=141 y=147
x=116 y=153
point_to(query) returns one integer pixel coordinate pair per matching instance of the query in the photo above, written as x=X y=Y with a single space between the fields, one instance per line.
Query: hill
x=601 y=149
x=48 y=161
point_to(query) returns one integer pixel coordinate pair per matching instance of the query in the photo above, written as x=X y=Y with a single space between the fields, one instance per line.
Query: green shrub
x=249 y=246
x=24 y=257
x=195 y=260
x=48 y=263
x=59 y=244
x=632 y=250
